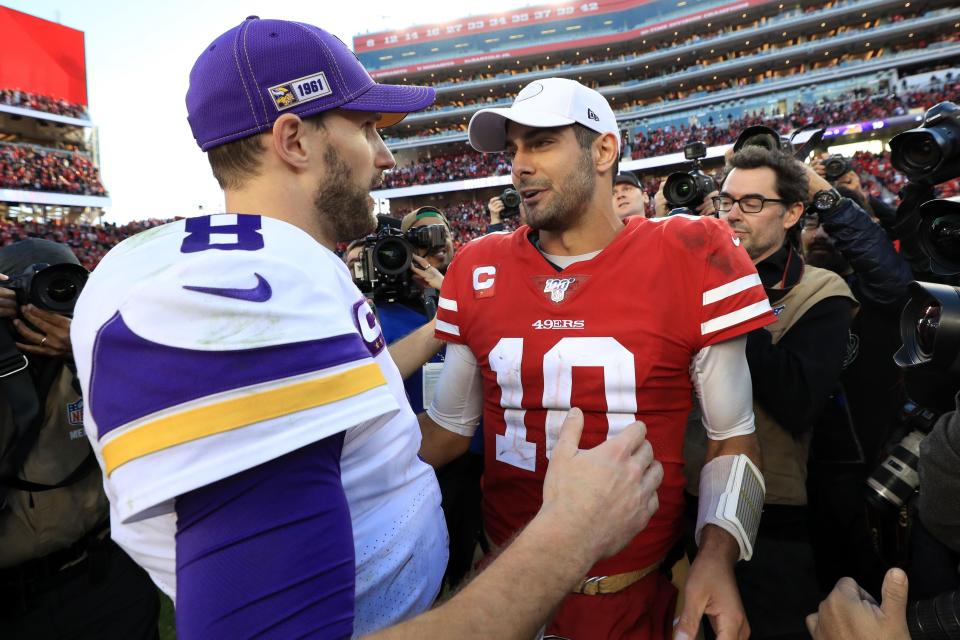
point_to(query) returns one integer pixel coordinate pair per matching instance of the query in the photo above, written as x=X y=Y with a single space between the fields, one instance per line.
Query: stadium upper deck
x=709 y=48
x=533 y=31
x=48 y=144
x=661 y=63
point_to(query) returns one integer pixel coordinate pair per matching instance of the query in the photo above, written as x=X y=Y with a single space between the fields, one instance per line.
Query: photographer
x=460 y=479
x=794 y=365
x=59 y=569
x=662 y=208
x=506 y=205
x=401 y=317
x=864 y=409
x=926 y=459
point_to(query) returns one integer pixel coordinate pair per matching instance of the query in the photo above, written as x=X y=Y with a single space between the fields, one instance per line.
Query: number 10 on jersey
x=619 y=383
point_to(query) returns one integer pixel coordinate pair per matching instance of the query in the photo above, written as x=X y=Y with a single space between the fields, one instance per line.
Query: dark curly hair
x=792 y=182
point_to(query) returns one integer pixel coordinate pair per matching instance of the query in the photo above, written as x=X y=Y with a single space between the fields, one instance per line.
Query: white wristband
x=731 y=497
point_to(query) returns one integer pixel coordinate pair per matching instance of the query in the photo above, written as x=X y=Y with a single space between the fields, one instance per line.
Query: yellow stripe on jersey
x=234 y=413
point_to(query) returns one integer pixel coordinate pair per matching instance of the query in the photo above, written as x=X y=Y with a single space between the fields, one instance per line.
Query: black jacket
x=940 y=480
x=793 y=378
x=864 y=409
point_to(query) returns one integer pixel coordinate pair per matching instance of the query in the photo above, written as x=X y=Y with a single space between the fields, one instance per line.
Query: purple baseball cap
x=261 y=69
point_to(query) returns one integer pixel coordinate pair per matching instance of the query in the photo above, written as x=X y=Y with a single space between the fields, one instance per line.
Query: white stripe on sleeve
x=727 y=290
x=730 y=319
x=447 y=303
x=446 y=327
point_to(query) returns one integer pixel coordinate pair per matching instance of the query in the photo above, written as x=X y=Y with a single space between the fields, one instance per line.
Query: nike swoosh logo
x=259 y=293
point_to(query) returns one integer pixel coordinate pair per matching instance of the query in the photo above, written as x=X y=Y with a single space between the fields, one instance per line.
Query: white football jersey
x=211 y=345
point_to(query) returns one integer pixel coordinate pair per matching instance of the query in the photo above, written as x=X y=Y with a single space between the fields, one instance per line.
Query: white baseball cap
x=552 y=102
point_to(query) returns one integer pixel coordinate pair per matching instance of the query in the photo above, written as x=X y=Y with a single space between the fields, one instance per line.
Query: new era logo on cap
x=551 y=102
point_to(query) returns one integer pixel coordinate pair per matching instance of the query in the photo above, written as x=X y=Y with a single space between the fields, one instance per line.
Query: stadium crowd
x=646 y=143
x=655 y=42
x=56 y=106
x=705 y=57
x=35 y=168
x=89 y=242
x=856 y=107
x=447 y=168
x=792 y=276
x=468 y=219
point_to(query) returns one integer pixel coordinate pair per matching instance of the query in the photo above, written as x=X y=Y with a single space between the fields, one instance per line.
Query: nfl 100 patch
x=290 y=94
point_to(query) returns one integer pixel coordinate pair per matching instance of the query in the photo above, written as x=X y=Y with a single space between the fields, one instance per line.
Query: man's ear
x=793 y=214
x=286 y=140
x=606 y=152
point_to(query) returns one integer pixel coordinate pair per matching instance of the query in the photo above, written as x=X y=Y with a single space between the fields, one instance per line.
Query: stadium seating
x=25 y=100
x=88 y=242
x=661 y=141
x=33 y=168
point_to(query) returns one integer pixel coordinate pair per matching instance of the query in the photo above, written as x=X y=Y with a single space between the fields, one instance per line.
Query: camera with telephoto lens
x=930 y=336
x=937 y=618
x=49 y=287
x=930 y=154
x=383 y=270
x=690 y=189
x=897 y=479
x=511 y=203
x=929 y=330
x=835 y=167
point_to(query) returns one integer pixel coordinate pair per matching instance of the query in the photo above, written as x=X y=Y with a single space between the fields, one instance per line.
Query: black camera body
x=929 y=329
x=383 y=270
x=836 y=166
x=689 y=189
x=930 y=154
x=511 y=202
x=49 y=287
x=799 y=143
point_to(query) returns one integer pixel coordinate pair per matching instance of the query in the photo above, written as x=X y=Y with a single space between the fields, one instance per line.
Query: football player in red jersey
x=539 y=321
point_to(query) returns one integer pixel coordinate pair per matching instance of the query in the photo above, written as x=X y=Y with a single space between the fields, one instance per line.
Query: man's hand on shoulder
x=711 y=590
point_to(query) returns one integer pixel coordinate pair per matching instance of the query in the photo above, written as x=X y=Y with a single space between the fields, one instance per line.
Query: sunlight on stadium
x=580 y=320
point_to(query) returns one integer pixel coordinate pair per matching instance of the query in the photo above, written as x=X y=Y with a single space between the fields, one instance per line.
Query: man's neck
x=594 y=231
x=286 y=204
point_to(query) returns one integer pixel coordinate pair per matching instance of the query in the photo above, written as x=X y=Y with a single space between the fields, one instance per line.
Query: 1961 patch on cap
x=301 y=90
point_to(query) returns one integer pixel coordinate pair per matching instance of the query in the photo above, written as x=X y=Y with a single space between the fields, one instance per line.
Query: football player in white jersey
x=258 y=450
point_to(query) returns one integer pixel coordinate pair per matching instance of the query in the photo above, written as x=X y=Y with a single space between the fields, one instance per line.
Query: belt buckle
x=591 y=586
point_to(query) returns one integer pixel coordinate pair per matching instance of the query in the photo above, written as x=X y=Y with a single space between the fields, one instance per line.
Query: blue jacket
x=880 y=275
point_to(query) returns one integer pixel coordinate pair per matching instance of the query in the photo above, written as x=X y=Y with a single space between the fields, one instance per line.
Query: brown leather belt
x=600 y=585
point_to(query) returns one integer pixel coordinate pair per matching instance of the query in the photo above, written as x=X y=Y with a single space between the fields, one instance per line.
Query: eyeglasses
x=748 y=204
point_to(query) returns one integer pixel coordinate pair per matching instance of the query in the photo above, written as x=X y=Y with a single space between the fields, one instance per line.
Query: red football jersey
x=613 y=335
